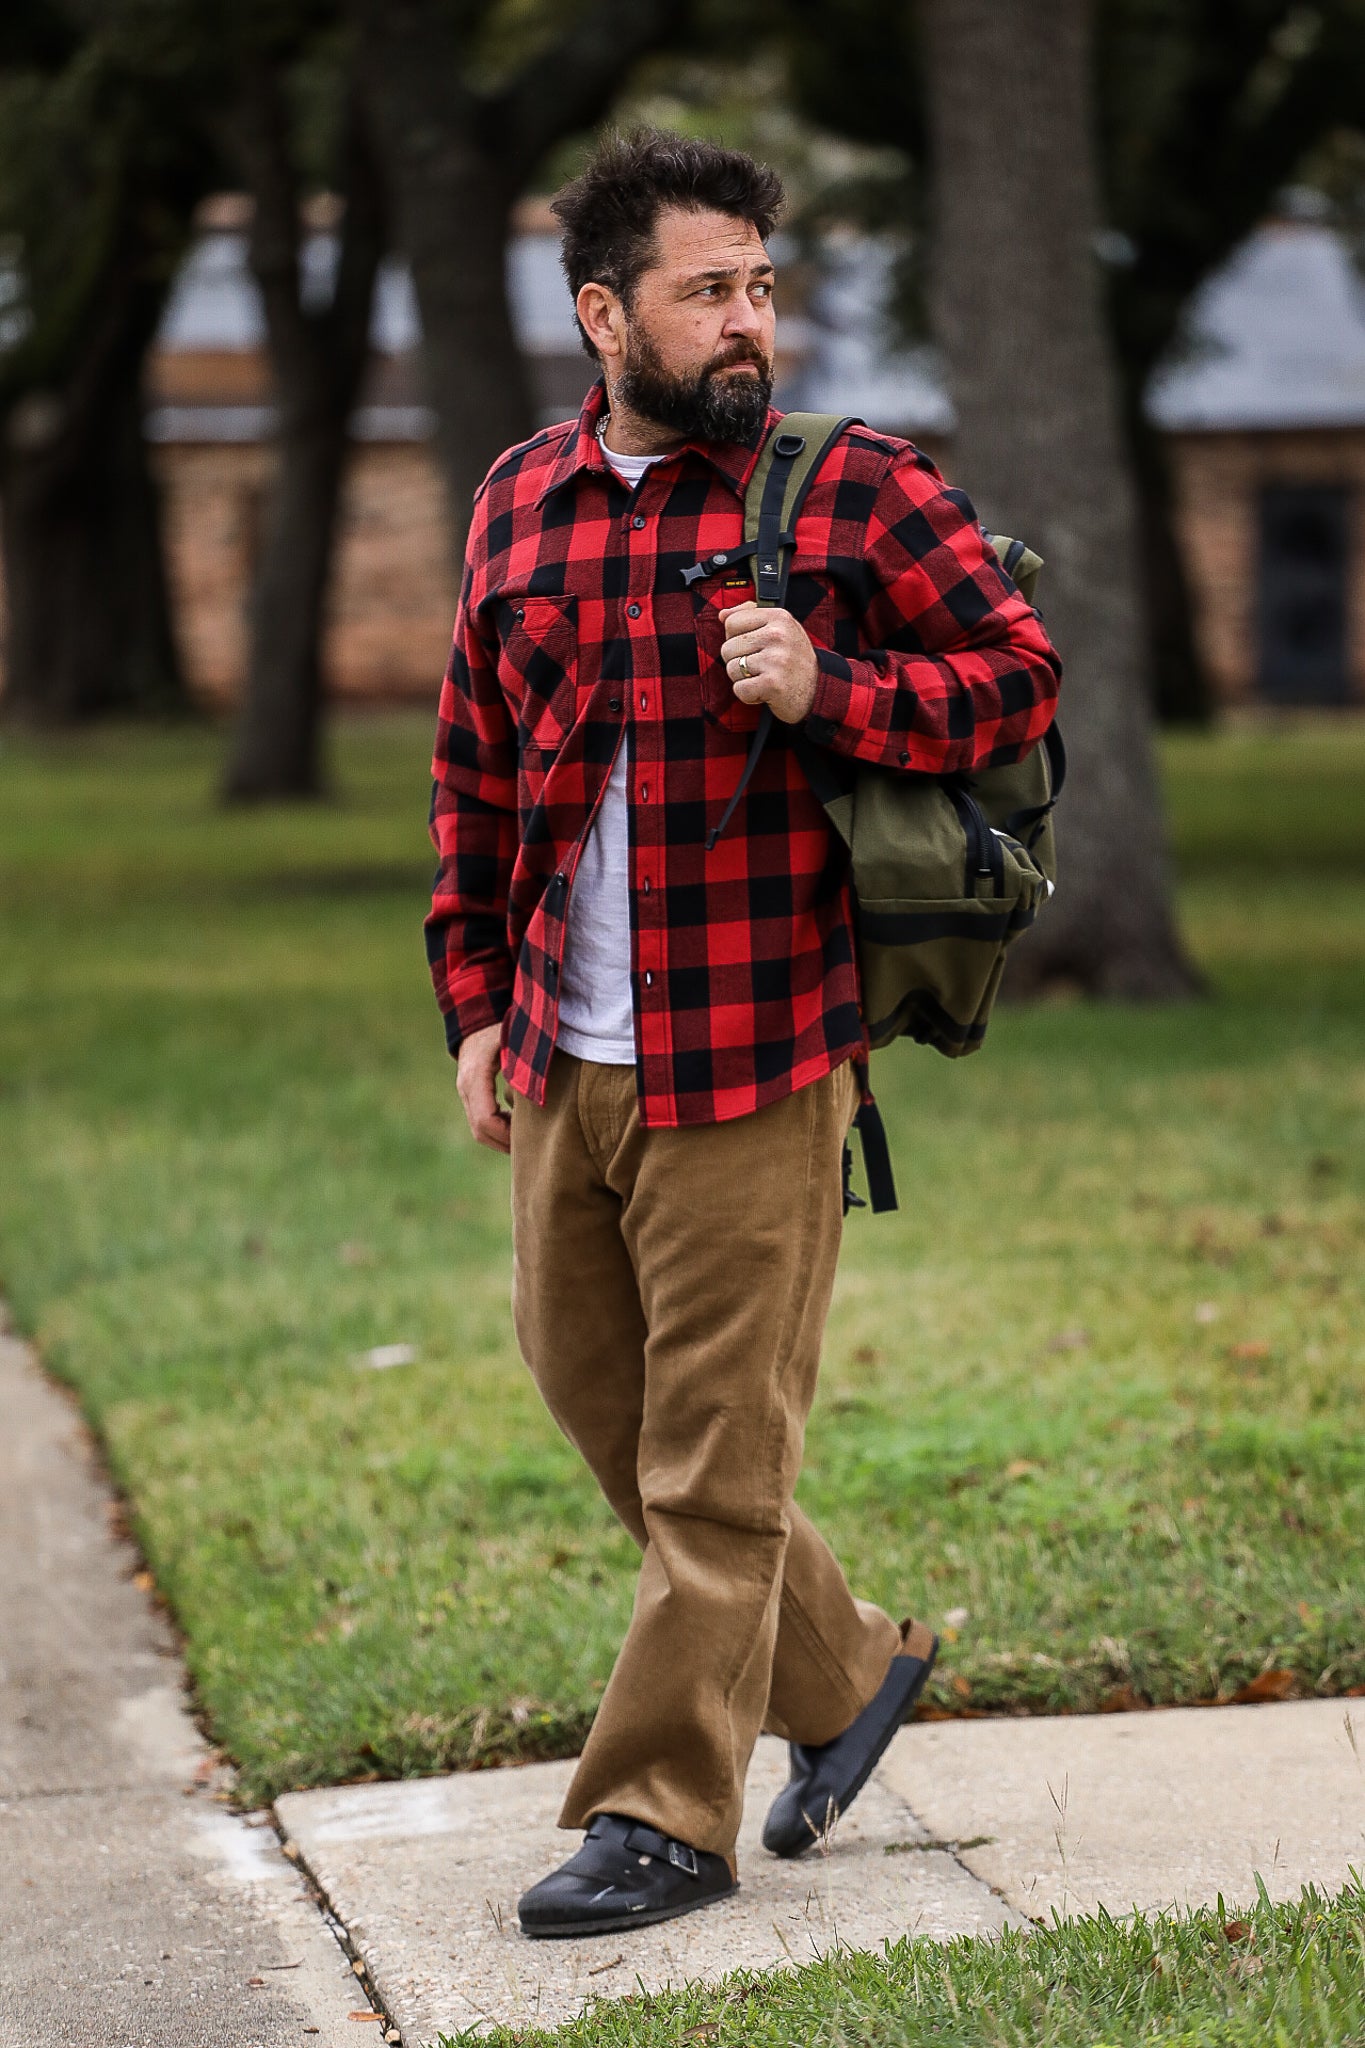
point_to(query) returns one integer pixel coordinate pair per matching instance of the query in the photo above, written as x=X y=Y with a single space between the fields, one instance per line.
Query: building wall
x=393 y=589
x=1219 y=478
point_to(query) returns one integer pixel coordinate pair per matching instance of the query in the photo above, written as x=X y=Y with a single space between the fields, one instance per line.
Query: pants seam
x=821 y=1652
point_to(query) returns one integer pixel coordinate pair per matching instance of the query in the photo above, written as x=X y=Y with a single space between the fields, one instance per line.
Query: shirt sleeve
x=473 y=821
x=959 y=673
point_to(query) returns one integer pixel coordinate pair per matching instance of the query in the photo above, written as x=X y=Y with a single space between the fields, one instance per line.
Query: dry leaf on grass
x=1270 y=1685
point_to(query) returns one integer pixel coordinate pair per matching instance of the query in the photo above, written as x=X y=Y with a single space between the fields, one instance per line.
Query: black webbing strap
x=881 y=1181
x=756 y=746
x=770 y=560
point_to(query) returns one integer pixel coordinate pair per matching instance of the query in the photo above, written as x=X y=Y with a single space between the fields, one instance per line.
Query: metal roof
x=1275 y=339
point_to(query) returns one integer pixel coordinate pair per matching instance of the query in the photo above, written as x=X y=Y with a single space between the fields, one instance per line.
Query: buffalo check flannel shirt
x=577 y=635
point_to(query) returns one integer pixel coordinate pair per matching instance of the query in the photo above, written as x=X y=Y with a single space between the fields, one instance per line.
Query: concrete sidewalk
x=137 y=1911
x=1146 y=1810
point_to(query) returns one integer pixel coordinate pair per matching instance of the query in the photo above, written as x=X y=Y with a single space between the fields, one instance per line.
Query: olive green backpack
x=947 y=870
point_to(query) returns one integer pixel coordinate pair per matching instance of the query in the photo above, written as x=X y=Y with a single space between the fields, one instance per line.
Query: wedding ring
x=744 y=667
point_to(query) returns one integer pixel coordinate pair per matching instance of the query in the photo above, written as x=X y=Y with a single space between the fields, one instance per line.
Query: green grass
x=1290 y=1976
x=1098 y=1385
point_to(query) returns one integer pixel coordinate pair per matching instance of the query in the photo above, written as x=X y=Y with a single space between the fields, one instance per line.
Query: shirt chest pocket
x=539 y=670
x=717 y=594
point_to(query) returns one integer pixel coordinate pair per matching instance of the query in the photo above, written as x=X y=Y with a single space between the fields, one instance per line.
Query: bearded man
x=678 y=1024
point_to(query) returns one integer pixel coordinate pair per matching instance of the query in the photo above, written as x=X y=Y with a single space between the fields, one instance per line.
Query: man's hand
x=477 y=1066
x=780 y=660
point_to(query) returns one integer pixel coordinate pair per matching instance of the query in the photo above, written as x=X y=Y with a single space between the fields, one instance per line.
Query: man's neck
x=626 y=433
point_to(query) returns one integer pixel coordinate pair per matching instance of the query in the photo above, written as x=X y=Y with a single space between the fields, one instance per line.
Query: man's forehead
x=688 y=241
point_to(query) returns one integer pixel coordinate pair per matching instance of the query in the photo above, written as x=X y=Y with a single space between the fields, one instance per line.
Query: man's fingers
x=480 y=1063
x=743 y=618
x=489 y=1124
x=494 y=1131
x=737 y=644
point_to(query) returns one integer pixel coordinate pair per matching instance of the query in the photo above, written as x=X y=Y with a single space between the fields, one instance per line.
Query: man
x=678 y=1026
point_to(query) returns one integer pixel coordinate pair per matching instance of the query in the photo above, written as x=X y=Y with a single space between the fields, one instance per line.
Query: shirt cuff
x=833 y=699
x=475 y=1012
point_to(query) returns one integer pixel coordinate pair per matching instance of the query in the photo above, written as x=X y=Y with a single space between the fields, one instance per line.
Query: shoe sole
x=874 y=1757
x=623 y=1922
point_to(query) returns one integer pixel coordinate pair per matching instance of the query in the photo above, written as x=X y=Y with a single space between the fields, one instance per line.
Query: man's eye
x=763 y=291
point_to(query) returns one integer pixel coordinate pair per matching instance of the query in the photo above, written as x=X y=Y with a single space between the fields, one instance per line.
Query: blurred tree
x=317 y=331
x=1019 y=309
x=1204 y=109
x=469 y=96
x=100 y=171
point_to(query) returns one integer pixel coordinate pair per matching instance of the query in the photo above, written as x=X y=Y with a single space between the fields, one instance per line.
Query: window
x=1304 y=567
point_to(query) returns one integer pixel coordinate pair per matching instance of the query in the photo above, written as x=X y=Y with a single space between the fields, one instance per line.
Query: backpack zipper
x=984 y=858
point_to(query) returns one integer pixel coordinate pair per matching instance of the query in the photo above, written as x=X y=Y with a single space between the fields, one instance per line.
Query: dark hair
x=609 y=212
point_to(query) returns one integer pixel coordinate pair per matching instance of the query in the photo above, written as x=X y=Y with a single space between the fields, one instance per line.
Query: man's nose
x=743 y=317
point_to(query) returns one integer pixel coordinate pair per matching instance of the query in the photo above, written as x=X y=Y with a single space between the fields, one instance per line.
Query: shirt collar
x=582 y=450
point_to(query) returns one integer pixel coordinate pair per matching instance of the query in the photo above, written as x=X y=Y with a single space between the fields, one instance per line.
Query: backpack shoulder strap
x=787 y=466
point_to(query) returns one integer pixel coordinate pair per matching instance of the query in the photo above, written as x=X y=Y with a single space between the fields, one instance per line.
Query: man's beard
x=705 y=406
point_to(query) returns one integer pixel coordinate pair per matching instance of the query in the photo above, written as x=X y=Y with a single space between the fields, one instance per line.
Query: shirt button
x=520 y=615
x=904 y=757
x=613 y=703
x=550 y=970
x=637 y=522
x=649 y=978
x=644 y=700
x=645 y=885
x=632 y=611
x=644 y=793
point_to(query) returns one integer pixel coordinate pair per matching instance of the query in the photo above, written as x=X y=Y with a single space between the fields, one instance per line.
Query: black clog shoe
x=625 y=1875
x=827 y=1777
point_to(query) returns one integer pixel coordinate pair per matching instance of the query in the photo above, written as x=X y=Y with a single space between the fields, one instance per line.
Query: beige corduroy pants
x=670 y=1292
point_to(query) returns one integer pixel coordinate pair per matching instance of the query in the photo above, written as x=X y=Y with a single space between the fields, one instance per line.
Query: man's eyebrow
x=719 y=276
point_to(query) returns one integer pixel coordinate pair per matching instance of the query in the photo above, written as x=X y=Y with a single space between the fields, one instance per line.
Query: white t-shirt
x=596 y=1016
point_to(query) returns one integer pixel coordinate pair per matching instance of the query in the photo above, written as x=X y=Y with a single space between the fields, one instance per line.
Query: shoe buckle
x=683 y=1858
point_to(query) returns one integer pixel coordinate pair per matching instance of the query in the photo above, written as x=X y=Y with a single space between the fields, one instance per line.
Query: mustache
x=742 y=352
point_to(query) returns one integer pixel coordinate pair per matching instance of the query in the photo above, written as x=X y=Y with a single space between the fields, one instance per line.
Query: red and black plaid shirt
x=577 y=635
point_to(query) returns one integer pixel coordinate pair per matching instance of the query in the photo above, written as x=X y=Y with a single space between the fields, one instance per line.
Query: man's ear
x=603 y=320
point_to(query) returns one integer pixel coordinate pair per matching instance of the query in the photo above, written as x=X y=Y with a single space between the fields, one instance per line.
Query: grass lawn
x=1095 y=1393
x=1281 y=1977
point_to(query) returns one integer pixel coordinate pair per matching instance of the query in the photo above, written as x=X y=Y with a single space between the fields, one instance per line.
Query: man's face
x=699 y=330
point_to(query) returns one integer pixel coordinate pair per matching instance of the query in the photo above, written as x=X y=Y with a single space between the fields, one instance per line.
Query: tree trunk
x=89 y=629
x=1182 y=691
x=1019 y=310
x=277 y=743
x=317 y=359
x=452 y=200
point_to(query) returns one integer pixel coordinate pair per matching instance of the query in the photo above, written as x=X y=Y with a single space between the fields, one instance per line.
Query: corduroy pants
x=670 y=1290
